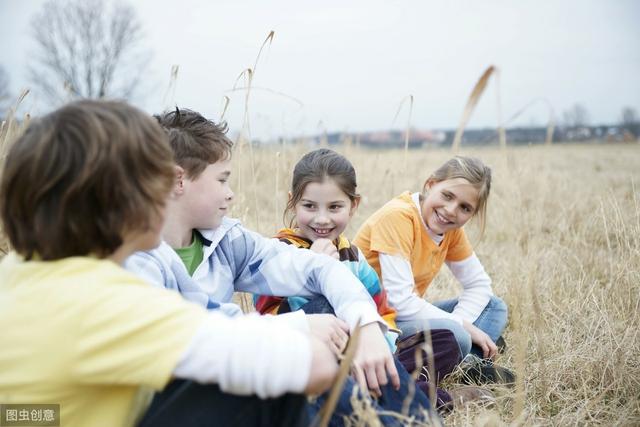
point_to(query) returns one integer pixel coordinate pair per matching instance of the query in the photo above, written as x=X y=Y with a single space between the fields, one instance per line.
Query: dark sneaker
x=483 y=371
x=501 y=344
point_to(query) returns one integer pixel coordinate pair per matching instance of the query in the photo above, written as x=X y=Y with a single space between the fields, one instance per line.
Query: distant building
x=488 y=136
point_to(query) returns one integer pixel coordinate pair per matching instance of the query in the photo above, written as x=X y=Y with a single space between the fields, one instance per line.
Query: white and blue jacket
x=236 y=259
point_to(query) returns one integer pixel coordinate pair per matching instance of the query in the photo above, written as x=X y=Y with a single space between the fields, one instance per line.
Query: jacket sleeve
x=398 y=281
x=476 y=287
x=270 y=267
x=247 y=355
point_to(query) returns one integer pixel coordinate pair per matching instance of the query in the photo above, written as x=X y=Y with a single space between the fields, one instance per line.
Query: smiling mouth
x=323 y=232
x=442 y=219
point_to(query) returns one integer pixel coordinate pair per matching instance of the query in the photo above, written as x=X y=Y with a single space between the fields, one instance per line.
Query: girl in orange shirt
x=409 y=239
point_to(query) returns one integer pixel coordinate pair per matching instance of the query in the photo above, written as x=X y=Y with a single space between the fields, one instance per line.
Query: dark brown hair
x=317 y=166
x=474 y=171
x=196 y=141
x=82 y=177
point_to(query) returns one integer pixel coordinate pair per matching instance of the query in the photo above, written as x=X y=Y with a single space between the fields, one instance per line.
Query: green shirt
x=191 y=255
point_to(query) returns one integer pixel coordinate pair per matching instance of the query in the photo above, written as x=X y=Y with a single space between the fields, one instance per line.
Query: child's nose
x=230 y=195
x=450 y=209
x=322 y=218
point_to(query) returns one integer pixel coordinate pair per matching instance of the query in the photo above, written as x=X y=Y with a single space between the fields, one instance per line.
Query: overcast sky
x=348 y=65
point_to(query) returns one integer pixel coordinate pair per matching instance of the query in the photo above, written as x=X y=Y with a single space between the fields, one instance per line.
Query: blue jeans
x=391 y=400
x=492 y=321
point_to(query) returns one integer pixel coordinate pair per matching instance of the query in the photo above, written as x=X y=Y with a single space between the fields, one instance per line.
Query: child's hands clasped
x=330 y=330
x=373 y=364
x=481 y=339
x=325 y=246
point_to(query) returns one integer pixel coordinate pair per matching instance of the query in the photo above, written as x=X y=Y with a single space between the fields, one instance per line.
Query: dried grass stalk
x=476 y=93
x=408 y=128
x=169 y=98
x=9 y=132
x=502 y=136
x=323 y=417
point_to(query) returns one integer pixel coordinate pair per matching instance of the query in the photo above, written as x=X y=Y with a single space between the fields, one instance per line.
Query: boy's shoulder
x=162 y=266
x=229 y=227
x=73 y=275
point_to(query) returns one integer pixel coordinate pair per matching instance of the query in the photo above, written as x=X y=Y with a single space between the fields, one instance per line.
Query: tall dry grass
x=10 y=130
x=562 y=247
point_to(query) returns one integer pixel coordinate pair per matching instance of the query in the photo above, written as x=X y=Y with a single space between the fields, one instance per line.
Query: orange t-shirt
x=398 y=229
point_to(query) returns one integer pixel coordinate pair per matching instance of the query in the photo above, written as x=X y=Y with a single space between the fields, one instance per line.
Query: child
x=221 y=256
x=409 y=239
x=322 y=201
x=82 y=189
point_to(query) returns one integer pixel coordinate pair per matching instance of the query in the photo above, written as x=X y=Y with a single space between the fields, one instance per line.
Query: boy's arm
x=161 y=267
x=253 y=355
x=119 y=343
x=147 y=267
x=269 y=267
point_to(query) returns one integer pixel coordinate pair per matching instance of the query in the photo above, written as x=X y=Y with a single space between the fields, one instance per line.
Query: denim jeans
x=391 y=399
x=492 y=321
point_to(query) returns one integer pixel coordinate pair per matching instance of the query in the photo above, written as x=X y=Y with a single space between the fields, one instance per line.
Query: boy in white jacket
x=223 y=257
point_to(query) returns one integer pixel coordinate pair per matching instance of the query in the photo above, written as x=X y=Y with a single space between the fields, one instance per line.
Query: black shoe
x=484 y=371
x=501 y=344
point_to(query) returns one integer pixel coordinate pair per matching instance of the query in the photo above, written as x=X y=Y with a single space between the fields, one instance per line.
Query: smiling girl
x=322 y=200
x=409 y=239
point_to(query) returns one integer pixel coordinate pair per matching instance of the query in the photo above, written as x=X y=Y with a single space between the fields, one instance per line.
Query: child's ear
x=354 y=205
x=178 y=187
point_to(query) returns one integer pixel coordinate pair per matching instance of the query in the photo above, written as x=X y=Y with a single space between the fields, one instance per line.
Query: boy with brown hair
x=82 y=189
x=208 y=256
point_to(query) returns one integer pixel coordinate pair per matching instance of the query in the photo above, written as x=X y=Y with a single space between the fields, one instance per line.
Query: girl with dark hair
x=322 y=200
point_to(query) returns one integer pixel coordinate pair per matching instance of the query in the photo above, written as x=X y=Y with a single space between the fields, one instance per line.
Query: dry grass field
x=562 y=246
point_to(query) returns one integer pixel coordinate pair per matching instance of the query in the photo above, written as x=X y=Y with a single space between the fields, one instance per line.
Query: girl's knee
x=464 y=342
x=498 y=306
x=461 y=336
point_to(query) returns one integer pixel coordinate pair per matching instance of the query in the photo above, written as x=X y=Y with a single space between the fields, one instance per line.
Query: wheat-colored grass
x=474 y=97
x=10 y=130
x=562 y=246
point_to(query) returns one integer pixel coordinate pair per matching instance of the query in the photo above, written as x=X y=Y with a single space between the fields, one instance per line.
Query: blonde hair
x=474 y=171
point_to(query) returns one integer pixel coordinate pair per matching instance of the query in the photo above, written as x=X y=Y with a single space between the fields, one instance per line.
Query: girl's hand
x=481 y=339
x=325 y=246
x=330 y=330
x=324 y=368
x=373 y=364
